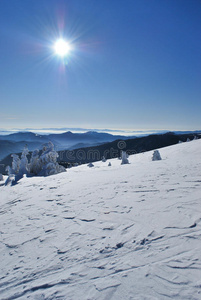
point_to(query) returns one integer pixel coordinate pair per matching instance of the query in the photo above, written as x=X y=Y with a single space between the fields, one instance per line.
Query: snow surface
x=121 y=232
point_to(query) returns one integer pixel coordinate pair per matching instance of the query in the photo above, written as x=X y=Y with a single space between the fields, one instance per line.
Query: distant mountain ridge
x=15 y=142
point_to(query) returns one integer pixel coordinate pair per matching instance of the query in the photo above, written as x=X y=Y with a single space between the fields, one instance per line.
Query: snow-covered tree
x=109 y=164
x=188 y=140
x=15 y=165
x=9 y=170
x=180 y=142
x=19 y=168
x=34 y=166
x=156 y=155
x=124 y=158
x=48 y=164
x=24 y=167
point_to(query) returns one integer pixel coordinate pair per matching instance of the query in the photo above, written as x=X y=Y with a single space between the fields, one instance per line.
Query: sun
x=62 y=48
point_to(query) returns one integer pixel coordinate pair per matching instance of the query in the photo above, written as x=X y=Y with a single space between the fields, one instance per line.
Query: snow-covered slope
x=120 y=232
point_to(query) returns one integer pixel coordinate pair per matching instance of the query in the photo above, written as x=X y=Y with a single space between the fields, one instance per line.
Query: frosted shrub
x=156 y=155
x=124 y=158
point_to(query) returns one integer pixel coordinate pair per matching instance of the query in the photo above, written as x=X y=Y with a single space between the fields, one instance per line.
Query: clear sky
x=135 y=64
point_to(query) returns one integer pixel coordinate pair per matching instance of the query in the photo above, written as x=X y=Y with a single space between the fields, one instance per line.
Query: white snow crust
x=122 y=232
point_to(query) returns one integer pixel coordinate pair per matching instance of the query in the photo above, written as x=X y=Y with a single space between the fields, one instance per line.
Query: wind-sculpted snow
x=121 y=232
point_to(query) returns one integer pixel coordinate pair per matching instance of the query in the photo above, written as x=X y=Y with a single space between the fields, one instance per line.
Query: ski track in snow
x=121 y=232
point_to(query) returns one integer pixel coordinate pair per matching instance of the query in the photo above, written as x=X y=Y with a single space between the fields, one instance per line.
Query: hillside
x=132 y=146
x=121 y=232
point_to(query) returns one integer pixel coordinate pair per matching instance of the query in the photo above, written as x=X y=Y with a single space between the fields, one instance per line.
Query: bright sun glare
x=62 y=48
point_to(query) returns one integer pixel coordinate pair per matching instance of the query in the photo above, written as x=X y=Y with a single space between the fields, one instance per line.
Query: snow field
x=122 y=232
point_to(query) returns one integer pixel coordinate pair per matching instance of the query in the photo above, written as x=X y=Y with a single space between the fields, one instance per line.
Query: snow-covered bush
x=156 y=155
x=90 y=165
x=104 y=159
x=109 y=165
x=1 y=177
x=124 y=158
x=188 y=140
x=180 y=142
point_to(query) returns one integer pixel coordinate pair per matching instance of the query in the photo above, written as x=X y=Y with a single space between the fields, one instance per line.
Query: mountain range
x=15 y=142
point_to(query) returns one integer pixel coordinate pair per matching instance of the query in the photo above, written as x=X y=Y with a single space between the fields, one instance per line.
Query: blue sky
x=135 y=64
